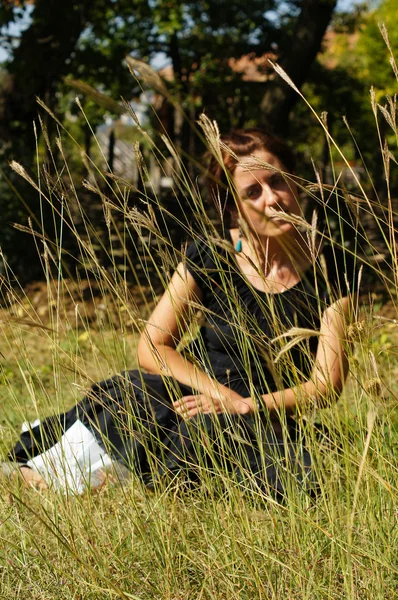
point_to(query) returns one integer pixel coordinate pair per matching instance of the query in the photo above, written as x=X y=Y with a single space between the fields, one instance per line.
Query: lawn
x=224 y=540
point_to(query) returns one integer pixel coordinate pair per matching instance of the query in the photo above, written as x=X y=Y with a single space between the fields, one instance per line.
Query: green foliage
x=372 y=53
x=355 y=59
x=88 y=41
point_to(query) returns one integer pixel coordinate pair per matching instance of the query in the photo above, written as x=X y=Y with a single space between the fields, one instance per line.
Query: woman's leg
x=247 y=448
x=221 y=443
x=127 y=415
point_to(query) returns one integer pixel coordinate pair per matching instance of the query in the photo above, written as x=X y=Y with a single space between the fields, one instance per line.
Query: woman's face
x=264 y=195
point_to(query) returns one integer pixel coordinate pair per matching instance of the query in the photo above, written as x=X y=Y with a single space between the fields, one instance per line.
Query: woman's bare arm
x=330 y=368
x=167 y=324
x=323 y=387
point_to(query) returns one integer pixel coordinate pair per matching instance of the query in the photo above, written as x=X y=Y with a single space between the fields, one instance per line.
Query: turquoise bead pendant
x=238 y=246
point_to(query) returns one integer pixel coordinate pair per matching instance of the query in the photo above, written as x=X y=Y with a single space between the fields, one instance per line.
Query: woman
x=226 y=401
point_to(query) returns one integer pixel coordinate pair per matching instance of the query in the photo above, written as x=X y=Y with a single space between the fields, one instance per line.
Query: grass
x=225 y=539
x=126 y=542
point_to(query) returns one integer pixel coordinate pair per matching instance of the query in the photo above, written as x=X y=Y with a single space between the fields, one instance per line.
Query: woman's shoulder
x=204 y=258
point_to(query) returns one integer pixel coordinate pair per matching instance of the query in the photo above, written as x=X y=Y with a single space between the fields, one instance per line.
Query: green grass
x=209 y=543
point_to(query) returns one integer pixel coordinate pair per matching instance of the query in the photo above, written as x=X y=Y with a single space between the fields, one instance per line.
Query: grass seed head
x=356 y=331
x=373 y=387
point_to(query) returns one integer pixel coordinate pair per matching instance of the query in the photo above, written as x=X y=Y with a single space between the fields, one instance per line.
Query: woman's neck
x=272 y=254
x=273 y=266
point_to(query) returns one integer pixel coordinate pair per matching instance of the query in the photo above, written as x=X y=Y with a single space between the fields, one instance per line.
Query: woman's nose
x=269 y=195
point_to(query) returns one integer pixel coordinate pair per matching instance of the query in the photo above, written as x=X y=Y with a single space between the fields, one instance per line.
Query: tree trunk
x=179 y=132
x=111 y=150
x=279 y=97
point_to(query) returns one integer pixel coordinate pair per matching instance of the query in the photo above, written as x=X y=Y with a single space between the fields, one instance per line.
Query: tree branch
x=311 y=25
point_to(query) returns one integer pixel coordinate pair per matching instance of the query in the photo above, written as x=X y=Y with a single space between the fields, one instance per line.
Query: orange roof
x=17 y=2
x=252 y=67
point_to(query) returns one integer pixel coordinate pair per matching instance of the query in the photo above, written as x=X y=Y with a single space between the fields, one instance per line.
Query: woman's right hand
x=232 y=403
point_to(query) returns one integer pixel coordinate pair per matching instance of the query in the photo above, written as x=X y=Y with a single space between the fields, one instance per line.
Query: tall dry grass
x=228 y=538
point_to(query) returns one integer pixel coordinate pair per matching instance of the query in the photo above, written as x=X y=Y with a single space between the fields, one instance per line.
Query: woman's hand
x=189 y=406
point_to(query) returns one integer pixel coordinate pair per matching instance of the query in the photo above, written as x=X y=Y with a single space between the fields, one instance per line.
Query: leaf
x=99 y=98
x=148 y=75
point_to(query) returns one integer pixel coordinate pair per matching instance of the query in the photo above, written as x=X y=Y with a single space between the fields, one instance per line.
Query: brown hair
x=244 y=142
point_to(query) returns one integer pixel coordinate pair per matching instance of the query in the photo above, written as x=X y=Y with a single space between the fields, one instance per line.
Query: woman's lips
x=277 y=215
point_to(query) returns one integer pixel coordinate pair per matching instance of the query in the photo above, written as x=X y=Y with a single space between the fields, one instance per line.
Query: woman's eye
x=277 y=180
x=253 y=192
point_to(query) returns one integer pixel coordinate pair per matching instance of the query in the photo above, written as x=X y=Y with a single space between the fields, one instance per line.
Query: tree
x=82 y=38
x=355 y=60
x=296 y=59
x=88 y=40
x=372 y=53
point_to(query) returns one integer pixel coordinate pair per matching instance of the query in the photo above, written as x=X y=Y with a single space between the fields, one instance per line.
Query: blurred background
x=209 y=56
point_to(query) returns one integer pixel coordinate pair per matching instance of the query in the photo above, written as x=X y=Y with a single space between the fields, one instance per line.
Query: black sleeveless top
x=236 y=343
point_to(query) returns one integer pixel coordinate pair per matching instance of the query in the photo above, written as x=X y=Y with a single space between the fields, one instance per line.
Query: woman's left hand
x=189 y=406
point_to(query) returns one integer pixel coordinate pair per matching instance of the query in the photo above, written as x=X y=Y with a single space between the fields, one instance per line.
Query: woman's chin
x=274 y=228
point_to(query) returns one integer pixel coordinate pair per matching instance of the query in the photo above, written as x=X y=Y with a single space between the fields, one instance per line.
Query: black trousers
x=132 y=418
